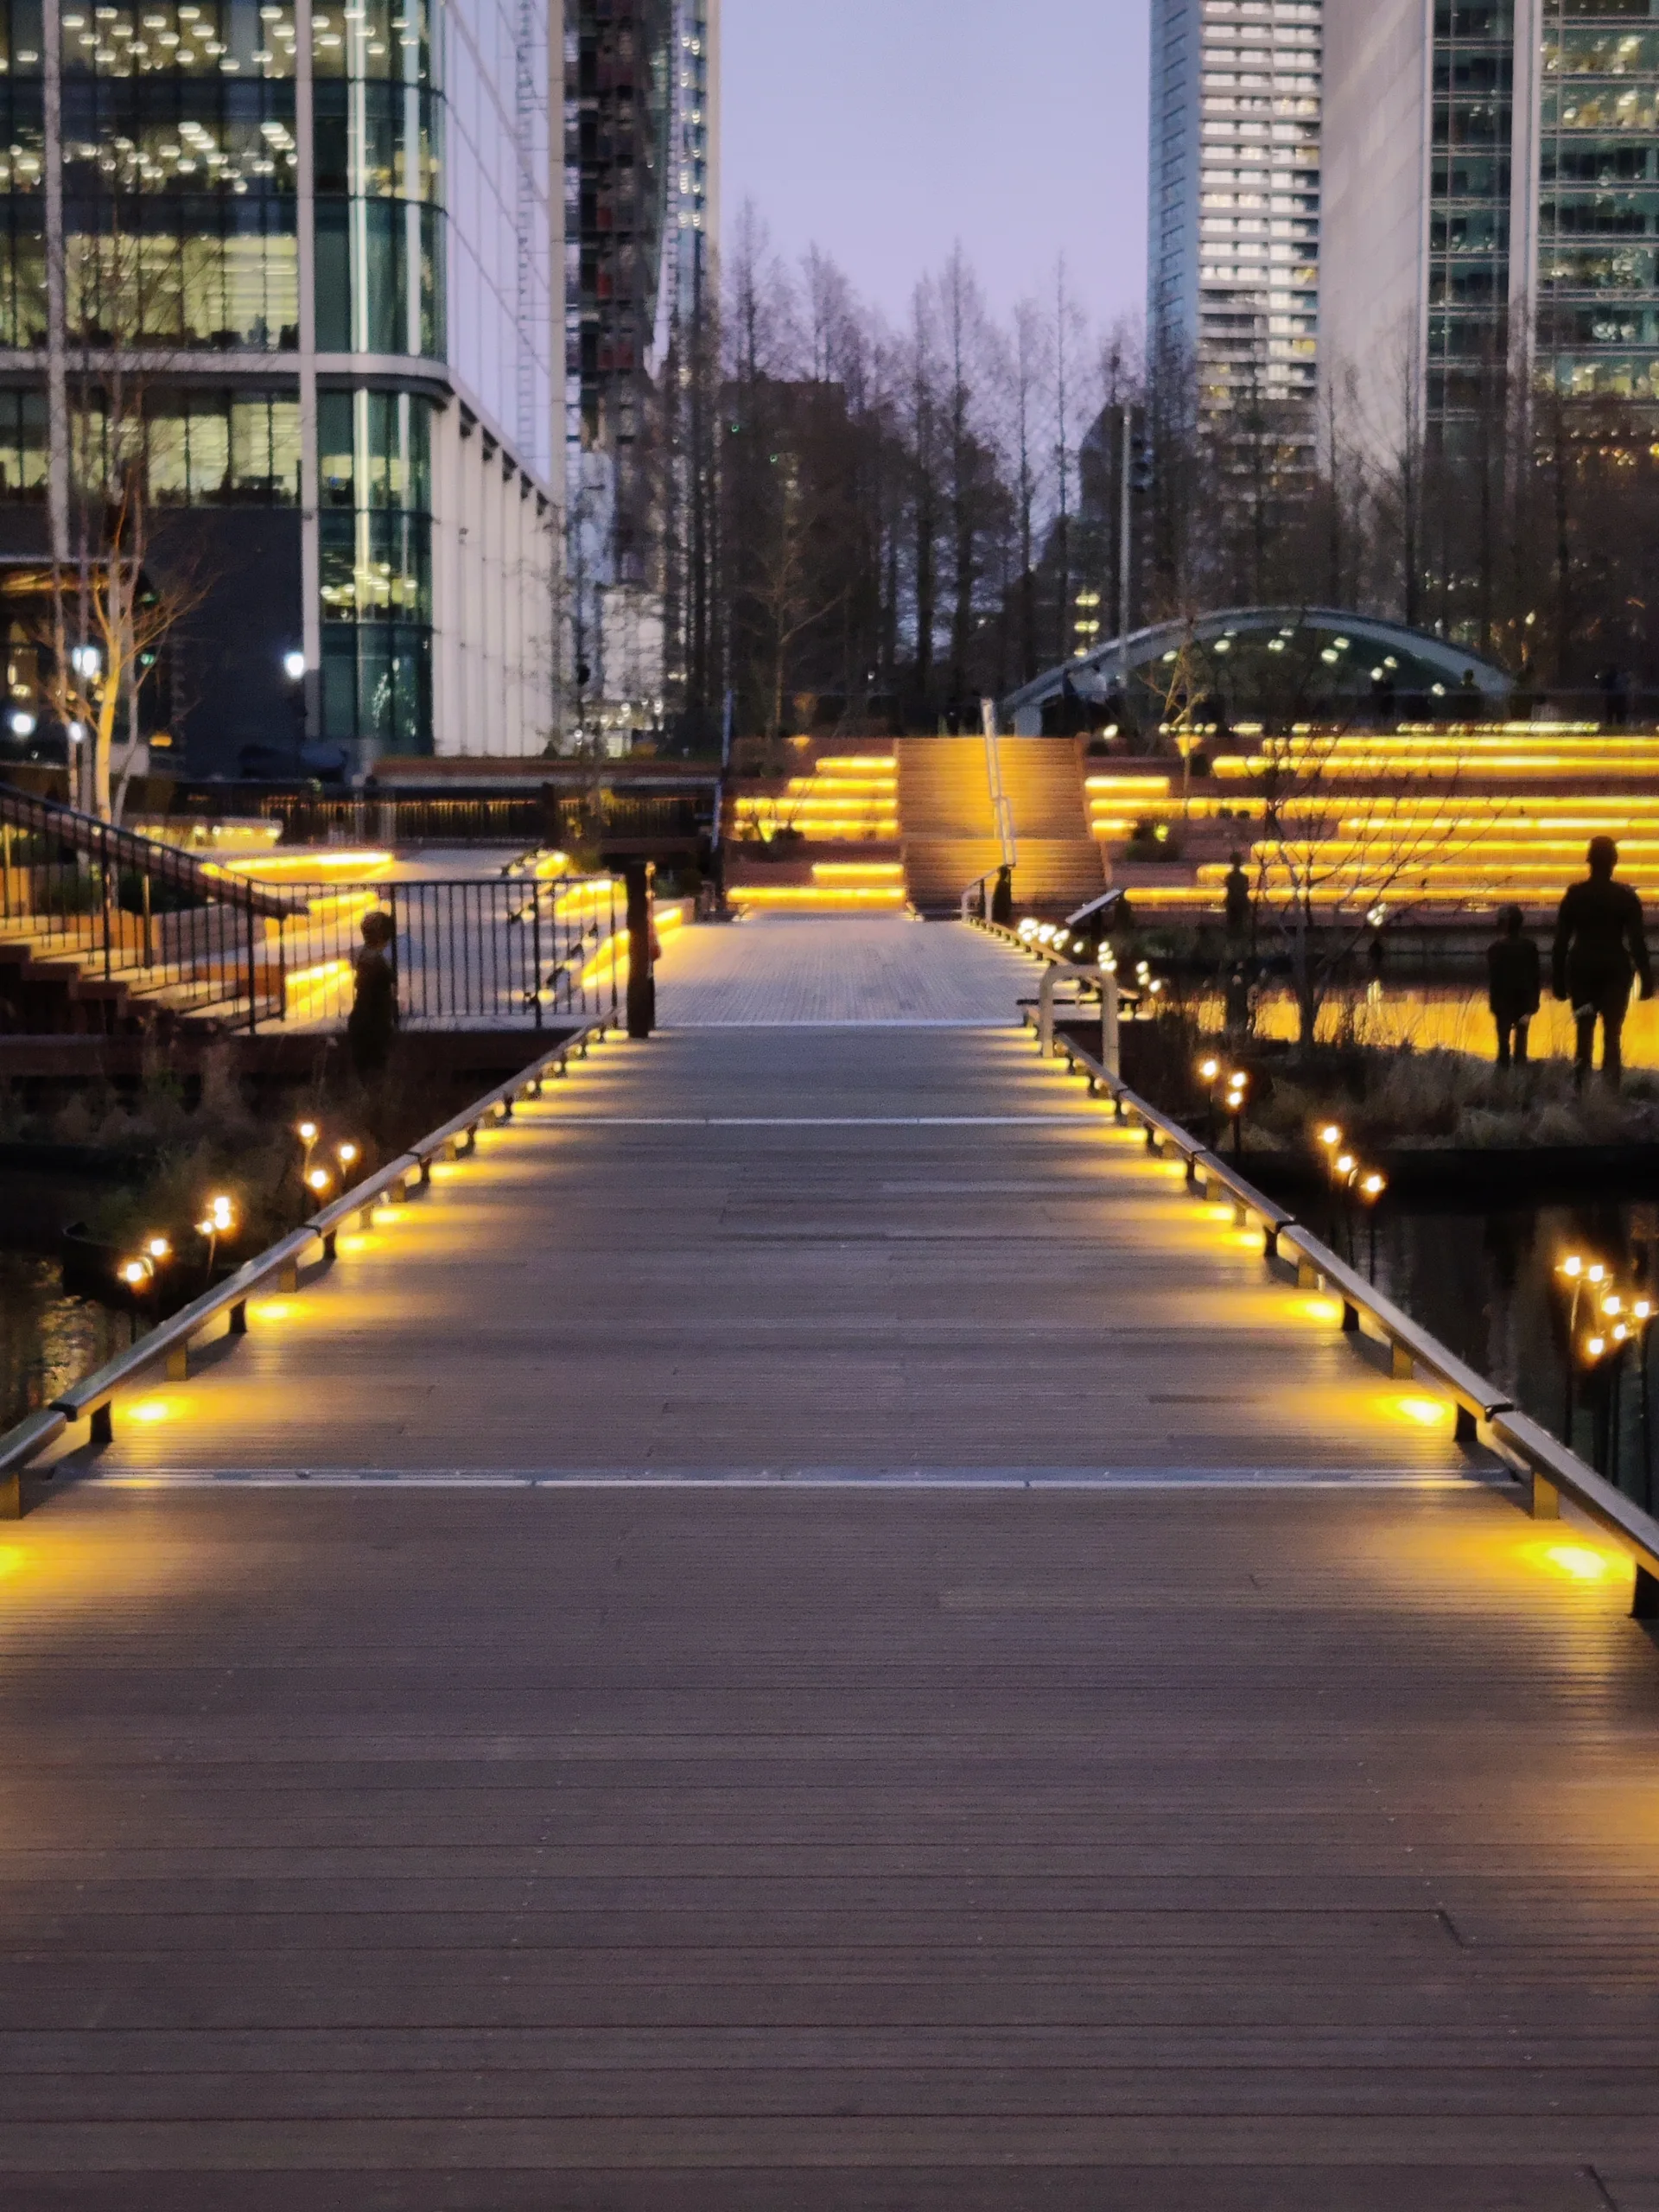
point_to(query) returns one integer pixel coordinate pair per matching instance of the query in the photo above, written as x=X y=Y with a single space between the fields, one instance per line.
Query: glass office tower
x=299 y=256
x=1491 y=198
x=1234 y=207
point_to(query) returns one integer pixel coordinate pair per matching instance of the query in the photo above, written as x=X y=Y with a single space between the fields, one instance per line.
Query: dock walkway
x=808 y=1632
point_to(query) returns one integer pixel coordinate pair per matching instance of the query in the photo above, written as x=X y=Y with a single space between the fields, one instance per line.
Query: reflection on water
x=48 y=1341
x=1487 y=1284
x=1449 y=1018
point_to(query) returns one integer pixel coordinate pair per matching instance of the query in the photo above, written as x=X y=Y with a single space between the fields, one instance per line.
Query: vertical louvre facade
x=1470 y=180
x=1491 y=191
x=1598 y=274
x=620 y=67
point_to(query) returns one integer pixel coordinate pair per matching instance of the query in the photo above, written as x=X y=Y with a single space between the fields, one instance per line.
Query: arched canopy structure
x=1262 y=665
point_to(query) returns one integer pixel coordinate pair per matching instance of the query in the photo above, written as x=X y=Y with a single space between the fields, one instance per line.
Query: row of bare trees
x=872 y=526
x=866 y=524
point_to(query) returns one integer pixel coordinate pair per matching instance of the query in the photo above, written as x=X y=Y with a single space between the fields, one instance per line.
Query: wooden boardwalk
x=809 y=1632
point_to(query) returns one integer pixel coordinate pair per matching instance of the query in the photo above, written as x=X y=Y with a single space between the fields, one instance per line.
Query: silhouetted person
x=374 y=997
x=1514 y=986
x=1238 y=907
x=1600 y=948
x=1002 y=898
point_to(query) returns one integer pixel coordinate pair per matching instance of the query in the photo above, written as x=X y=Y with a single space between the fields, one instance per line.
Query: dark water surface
x=1487 y=1282
x=48 y=1341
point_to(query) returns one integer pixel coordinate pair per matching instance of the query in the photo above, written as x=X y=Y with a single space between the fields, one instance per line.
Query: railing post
x=1110 y=1051
x=1046 y=1010
x=103 y=871
x=535 y=947
x=253 y=976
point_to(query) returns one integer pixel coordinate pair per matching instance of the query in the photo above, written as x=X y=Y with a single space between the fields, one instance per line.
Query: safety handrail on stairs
x=119 y=851
x=1002 y=805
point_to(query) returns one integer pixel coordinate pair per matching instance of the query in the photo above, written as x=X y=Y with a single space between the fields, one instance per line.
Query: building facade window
x=1598 y=330
x=23 y=171
x=179 y=175
x=375 y=489
x=379 y=225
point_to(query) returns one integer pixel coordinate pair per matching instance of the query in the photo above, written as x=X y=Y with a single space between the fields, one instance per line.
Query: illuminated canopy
x=1266 y=664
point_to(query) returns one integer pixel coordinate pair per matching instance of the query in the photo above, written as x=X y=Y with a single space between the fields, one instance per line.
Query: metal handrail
x=1555 y=1469
x=93 y=1396
x=126 y=848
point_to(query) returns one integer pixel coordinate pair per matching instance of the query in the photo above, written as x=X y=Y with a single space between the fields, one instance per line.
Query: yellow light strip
x=803 y=894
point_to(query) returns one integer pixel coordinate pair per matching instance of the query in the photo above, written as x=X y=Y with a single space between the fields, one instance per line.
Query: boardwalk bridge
x=792 y=1620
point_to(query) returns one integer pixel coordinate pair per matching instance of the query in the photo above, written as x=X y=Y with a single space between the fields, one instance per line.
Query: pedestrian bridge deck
x=809 y=1629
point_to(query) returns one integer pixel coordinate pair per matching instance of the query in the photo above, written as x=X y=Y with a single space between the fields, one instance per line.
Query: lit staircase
x=1060 y=865
x=949 y=822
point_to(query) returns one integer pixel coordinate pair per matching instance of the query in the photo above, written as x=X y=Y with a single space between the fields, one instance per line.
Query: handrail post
x=253 y=976
x=1110 y=1057
x=1046 y=1010
x=536 y=948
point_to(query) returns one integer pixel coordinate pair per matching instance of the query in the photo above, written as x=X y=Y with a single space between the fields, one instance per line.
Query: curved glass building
x=1278 y=664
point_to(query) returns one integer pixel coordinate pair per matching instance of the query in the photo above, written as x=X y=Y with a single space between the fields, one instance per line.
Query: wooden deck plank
x=1195 y=1794
x=1301 y=1851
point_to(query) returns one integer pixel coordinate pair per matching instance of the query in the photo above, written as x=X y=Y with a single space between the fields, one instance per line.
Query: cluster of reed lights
x=1229 y=1088
x=1349 y=1179
x=1604 y=1324
x=318 y=1180
x=140 y=1274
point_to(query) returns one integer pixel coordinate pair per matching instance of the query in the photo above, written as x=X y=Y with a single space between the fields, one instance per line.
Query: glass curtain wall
x=1598 y=200
x=375 y=478
x=379 y=226
x=22 y=226
x=179 y=183
x=1469 y=208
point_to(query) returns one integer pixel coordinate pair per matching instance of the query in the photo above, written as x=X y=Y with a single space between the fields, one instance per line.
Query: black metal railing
x=101 y=928
x=92 y=916
x=504 y=952
x=578 y=822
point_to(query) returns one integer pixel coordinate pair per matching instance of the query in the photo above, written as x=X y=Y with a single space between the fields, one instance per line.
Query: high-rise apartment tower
x=1233 y=250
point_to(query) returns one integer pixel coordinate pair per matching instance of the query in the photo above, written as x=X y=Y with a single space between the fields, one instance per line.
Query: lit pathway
x=1112 y=1817
x=770 y=971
